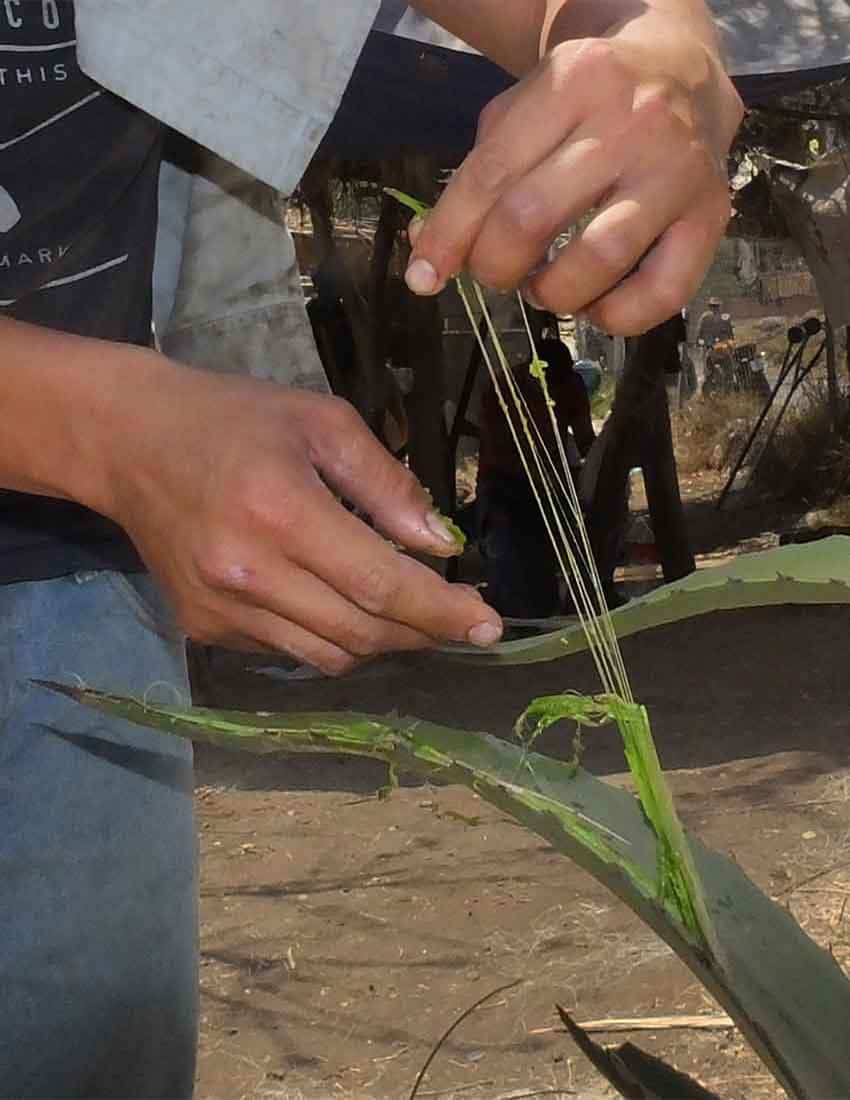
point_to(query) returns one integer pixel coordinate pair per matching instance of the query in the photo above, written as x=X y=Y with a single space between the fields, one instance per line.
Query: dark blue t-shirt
x=79 y=171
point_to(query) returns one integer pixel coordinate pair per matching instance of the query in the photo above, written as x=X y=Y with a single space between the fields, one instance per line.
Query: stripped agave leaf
x=788 y=996
x=677 y=883
x=813 y=573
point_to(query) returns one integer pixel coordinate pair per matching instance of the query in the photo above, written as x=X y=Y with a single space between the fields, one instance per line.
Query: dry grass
x=839 y=512
x=768 y=333
x=466 y=478
x=483 y=1091
x=806 y=465
x=710 y=433
x=808 y=461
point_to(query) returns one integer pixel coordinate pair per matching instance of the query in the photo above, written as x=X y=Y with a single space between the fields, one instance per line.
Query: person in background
x=520 y=566
x=714 y=326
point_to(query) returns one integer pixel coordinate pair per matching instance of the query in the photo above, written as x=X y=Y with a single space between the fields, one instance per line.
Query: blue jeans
x=98 y=879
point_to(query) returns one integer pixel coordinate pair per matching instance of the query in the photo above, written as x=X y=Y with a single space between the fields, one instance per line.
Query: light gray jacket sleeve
x=238 y=307
x=257 y=83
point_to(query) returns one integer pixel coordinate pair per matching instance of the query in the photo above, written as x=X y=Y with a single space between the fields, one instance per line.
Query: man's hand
x=225 y=486
x=630 y=124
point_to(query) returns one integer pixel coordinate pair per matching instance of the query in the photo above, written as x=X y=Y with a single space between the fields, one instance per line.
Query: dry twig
x=456 y=1024
x=617 y=1024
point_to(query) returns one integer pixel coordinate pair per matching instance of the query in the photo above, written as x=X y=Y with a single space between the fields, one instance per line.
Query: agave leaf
x=421 y=747
x=814 y=573
x=787 y=995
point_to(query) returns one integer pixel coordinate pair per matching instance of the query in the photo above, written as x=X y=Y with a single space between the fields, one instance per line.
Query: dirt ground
x=342 y=935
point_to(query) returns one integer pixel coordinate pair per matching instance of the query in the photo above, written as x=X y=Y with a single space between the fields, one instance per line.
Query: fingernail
x=485 y=634
x=530 y=297
x=421 y=277
x=438 y=528
x=415 y=229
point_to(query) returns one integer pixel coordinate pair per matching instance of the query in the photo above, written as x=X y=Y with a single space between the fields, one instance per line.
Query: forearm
x=62 y=397
x=516 y=34
x=571 y=19
x=507 y=31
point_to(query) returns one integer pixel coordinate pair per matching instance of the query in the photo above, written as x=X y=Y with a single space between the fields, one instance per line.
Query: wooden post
x=618 y=358
x=369 y=386
x=639 y=433
x=389 y=223
x=428 y=449
x=832 y=376
x=847 y=350
x=428 y=446
x=663 y=495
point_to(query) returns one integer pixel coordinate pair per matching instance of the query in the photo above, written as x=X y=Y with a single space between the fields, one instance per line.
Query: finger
x=669 y=276
x=352 y=461
x=308 y=525
x=617 y=239
x=250 y=630
x=298 y=597
x=521 y=226
x=371 y=574
x=515 y=134
x=575 y=178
